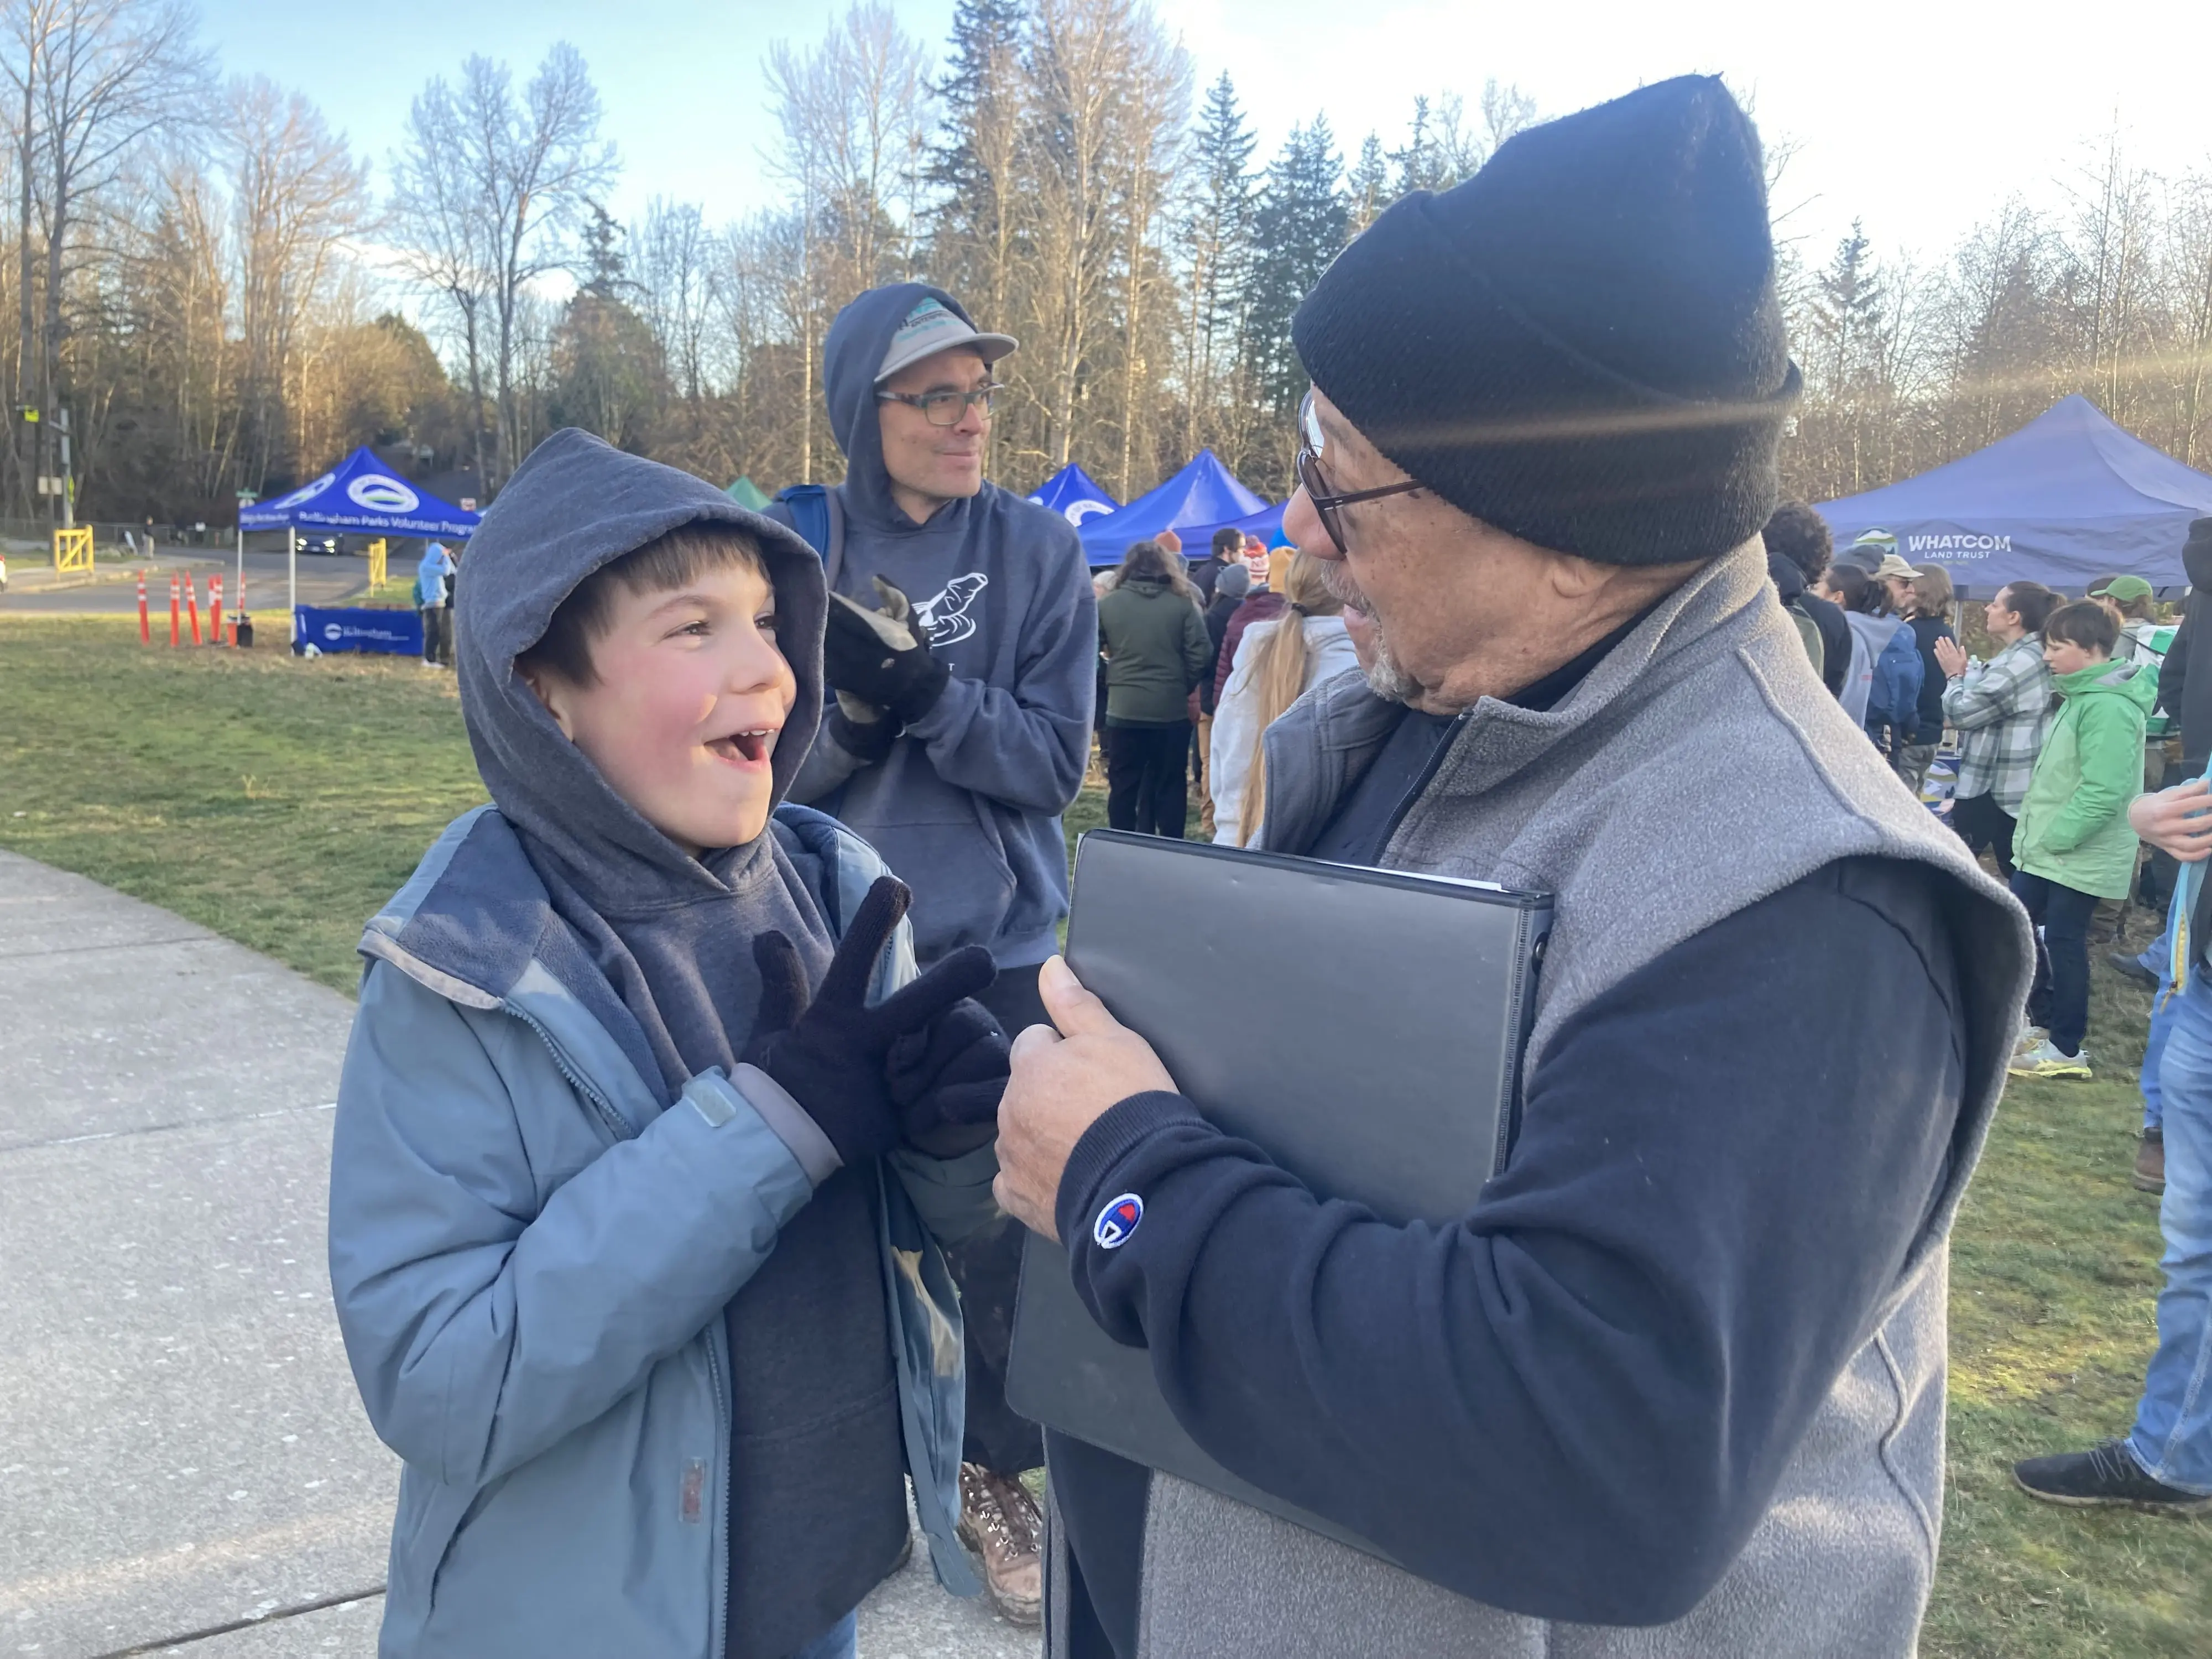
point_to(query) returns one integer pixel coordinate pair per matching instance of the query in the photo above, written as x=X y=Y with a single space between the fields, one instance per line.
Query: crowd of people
x=683 y=1163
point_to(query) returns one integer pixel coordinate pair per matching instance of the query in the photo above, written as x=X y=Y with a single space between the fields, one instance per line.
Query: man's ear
x=1573 y=577
x=555 y=692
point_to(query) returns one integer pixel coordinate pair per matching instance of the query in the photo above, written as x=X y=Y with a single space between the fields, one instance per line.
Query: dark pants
x=437 y=634
x=1145 y=769
x=987 y=1267
x=1980 y=822
x=2060 y=1000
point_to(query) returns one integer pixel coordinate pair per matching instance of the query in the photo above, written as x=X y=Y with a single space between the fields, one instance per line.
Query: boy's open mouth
x=746 y=748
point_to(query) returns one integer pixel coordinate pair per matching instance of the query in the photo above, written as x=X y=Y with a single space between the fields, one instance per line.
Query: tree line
x=221 y=296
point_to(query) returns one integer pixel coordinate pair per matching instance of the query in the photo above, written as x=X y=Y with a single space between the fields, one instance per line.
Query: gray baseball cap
x=932 y=326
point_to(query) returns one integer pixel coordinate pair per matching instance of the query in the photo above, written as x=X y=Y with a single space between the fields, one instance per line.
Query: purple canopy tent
x=2068 y=498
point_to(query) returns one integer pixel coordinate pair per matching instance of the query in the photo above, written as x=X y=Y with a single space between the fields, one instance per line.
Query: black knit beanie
x=1581 y=344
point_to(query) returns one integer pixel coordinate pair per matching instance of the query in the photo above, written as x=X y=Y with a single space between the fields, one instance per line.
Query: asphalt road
x=181 y=1446
x=323 y=580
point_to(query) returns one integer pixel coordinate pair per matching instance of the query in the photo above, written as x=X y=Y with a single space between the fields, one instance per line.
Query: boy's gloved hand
x=882 y=657
x=946 y=1081
x=831 y=1053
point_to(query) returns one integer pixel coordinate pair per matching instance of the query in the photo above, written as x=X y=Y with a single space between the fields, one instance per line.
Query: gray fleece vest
x=1700 y=767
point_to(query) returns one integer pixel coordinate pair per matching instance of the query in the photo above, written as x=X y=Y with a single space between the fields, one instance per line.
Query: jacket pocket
x=423 y=1533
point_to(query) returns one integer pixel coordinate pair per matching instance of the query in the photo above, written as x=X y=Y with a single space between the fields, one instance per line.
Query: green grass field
x=279 y=802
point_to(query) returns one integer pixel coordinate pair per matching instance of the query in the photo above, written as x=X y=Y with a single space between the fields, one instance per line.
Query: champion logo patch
x=1117 y=1221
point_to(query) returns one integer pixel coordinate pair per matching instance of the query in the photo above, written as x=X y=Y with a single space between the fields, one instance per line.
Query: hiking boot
x=2150 y=1162
x=2105 y=1476
x=1000 y=1521
x=2029 y=1036
x=2044 y=1059
x=2130 y=967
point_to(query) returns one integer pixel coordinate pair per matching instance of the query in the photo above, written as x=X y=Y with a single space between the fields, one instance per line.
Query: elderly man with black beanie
x=1673 y=1386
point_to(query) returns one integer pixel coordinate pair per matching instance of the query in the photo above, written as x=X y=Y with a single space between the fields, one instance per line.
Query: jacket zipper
x=621 y=1129
x=1428 y=775
x=613 y=1119
x=722 y=1629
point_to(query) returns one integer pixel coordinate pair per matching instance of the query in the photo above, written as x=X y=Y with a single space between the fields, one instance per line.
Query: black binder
x=1364 y=1027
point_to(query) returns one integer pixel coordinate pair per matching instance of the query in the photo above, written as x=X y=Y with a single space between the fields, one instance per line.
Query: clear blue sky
x=1920 y=116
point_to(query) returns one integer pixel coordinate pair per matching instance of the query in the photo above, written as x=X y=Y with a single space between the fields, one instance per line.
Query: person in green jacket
x=1154 y=637
x=2073 y=845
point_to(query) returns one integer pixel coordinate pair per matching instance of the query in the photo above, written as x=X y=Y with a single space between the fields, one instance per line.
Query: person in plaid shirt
x=2001 y=710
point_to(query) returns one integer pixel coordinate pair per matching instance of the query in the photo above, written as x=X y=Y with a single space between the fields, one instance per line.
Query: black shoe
x=2105 y=1475
x=2129 y=968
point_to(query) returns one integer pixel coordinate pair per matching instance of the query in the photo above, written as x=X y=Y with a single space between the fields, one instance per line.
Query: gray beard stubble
x=1385 y=678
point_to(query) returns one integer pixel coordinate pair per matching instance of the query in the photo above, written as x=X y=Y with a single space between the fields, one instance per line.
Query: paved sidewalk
x=181 y=1448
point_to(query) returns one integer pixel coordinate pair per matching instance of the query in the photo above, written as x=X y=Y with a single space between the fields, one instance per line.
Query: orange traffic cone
x=176 y=637
x=215 y=609
x=145 y=628
x=192 y=605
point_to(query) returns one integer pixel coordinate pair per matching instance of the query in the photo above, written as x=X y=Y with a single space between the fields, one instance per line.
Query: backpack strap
x=819 y=518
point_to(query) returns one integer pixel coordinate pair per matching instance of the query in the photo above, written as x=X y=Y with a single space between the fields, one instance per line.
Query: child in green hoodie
x=2074 y=846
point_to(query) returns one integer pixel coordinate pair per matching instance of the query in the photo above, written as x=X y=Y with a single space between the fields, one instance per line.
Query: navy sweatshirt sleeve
x=1575 y=1403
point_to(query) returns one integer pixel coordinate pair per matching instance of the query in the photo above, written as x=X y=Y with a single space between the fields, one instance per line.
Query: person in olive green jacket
x=2074 y=846
x=1154 y=637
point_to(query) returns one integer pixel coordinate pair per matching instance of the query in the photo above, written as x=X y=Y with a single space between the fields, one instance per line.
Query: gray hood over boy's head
x=577 y=503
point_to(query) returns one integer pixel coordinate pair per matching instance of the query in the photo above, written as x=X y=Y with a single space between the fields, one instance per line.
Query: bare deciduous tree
x=297 y=194
x=94 y=79
x=491 y=188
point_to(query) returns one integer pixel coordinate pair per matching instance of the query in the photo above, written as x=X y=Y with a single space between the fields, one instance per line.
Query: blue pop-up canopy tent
x=1195 y=503
x=361 y=494
x=1074 y=495
x=364 y=495
x=2068 y=498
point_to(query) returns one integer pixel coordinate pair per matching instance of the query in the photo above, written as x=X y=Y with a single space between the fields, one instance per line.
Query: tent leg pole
x=291 y=575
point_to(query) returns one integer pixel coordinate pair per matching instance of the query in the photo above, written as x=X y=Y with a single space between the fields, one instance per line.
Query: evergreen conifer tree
x=1847 y=312
x=1366 y=186
x=1217 y=241
x=986 y=35
x=1298 y=228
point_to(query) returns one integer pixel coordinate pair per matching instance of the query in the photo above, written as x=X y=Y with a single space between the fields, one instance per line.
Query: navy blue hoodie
x=966 y=807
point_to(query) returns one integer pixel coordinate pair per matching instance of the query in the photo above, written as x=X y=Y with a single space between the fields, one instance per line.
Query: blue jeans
x=2158 y=957
x=2161 y=1028
x=2172 y=1435
x=838 y=1642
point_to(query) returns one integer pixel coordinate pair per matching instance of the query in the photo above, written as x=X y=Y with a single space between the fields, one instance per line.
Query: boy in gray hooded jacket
x=646 y=1123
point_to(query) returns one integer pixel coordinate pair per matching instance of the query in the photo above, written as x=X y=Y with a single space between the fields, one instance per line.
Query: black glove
x=831 y=1053
x=861 y=729
x=882 y=657
x=946 y=1081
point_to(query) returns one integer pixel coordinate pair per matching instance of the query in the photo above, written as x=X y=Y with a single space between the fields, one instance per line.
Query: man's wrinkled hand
x=1063 y=1082
x=2177 y=820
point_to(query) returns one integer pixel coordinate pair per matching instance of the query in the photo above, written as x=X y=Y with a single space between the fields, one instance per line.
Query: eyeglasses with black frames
x=944 y=406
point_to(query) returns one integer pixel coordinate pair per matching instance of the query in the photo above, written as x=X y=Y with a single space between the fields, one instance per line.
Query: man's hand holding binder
x=1063 y=1082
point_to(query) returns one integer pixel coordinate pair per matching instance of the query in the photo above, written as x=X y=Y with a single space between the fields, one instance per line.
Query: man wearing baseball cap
x=961 y=641
x=1679 y=1364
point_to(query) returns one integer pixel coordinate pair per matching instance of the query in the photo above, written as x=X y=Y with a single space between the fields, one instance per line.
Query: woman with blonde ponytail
x=1276 y=661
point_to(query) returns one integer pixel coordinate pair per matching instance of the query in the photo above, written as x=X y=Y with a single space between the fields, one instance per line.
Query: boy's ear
x=555 y=692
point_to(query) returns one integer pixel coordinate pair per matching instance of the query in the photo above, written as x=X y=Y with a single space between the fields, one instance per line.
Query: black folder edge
x=1042 y=1255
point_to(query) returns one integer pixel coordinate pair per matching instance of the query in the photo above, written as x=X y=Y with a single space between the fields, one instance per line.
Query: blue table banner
x=398 y=632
